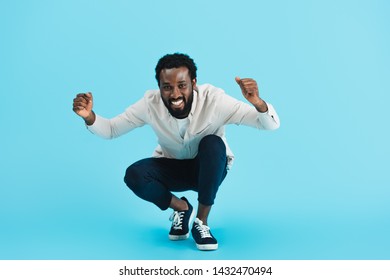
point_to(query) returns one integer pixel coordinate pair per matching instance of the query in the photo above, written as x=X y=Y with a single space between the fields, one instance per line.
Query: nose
x=176 y=92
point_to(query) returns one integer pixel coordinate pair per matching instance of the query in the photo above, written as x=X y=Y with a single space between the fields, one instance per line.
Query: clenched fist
x=251 y=92
x=82 y=106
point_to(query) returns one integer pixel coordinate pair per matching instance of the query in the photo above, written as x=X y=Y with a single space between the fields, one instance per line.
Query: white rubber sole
x=178 y=237
x=207 y=247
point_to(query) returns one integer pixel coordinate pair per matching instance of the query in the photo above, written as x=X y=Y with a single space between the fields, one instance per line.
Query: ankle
x=178 y=204
x=183 y=205
x=203 y=220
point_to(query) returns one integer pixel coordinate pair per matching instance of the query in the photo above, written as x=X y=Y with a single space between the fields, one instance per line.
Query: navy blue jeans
x=153 y=179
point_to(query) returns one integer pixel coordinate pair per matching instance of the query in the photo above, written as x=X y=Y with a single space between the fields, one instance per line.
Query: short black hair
x=176 y=60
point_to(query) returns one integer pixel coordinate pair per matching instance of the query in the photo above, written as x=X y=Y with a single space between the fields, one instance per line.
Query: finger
x=83 y=96
x=78 y=109
x=88 y=96
x=79 y=105
x=248 y=82
x=80 y=102
x=239 y=82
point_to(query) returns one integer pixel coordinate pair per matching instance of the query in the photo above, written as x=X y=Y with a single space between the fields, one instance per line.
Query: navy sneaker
x=203 y=238
x=181 y=220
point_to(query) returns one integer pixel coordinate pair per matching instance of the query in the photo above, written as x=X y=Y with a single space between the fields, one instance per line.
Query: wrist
x=90 y=119
x=261 y=106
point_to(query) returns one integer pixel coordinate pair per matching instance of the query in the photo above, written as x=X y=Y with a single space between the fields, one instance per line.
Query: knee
x=212 y=142
x=132 y=176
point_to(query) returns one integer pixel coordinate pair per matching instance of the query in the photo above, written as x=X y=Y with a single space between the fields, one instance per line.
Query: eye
x=166 y=87
x=182 y=86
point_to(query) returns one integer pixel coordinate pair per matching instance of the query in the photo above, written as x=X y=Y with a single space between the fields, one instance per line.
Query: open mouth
x=178 y=103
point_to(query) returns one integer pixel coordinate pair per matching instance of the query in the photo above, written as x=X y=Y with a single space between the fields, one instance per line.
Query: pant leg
x=153 y=179
x=211 y=163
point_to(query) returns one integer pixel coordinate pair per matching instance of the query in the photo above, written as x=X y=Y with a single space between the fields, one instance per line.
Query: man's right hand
x=82 y=106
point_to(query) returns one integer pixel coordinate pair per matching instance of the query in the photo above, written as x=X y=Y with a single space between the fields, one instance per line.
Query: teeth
x=177 y=102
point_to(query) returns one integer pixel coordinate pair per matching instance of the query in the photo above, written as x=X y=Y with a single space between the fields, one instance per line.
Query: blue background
x=317 y=188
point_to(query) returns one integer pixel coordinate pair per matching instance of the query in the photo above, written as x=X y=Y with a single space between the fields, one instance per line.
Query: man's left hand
x=251 y=92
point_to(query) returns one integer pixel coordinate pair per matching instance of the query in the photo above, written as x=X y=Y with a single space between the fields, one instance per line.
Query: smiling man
x=192 y=153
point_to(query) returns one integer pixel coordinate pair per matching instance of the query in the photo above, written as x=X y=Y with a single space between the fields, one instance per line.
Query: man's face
x=176 y=90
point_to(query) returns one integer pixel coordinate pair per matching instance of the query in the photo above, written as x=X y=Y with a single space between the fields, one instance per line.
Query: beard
x=182 y=112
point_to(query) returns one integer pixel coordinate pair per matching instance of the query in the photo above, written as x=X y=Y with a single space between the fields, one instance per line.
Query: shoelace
x=177 y=218
x=203 y=230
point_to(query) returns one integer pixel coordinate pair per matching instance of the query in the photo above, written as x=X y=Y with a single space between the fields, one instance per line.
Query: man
x=189 y=121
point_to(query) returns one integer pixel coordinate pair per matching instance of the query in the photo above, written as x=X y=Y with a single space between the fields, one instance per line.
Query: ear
x=194 y=86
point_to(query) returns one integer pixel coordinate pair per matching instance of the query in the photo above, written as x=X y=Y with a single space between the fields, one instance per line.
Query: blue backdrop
x=317 y=188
